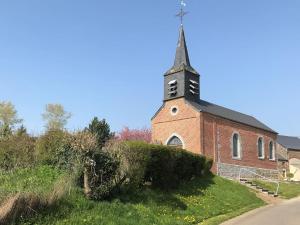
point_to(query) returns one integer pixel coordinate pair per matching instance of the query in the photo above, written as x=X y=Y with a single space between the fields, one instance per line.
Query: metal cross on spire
x=182 y=13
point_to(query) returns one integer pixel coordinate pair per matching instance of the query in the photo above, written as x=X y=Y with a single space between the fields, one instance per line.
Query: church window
x=271 y=151
x=260 y=146
x=175 y=142
x=174 y=110
x=236 y=146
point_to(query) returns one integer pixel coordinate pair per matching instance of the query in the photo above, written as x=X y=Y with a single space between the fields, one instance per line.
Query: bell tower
x=182 y=81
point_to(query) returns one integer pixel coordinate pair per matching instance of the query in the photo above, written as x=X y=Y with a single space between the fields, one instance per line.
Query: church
x=232 y=139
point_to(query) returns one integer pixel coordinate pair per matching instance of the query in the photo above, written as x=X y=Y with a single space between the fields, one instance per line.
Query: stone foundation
x=234 y=172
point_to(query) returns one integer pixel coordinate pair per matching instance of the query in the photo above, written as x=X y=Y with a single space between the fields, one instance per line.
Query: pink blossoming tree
x=127 y=134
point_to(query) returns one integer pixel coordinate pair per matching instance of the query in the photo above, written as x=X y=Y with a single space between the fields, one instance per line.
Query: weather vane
x=182 y=13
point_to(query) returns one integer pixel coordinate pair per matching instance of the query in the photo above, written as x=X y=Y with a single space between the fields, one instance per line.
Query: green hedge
x=167 y=167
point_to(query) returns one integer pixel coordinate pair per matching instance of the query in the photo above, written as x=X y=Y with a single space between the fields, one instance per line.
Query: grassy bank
x=23 y=192
x=209 y=200
x=38 y=181
x=287 y=190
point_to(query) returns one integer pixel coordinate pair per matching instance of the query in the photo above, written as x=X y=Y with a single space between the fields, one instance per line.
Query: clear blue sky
x=107 y=58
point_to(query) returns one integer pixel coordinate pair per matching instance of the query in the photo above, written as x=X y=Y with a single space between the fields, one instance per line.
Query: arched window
x=271 y=151
x=175 y=142
x=260 y=146
x=236 y=146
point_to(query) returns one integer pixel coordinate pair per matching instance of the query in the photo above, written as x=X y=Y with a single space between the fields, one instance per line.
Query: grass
x=39 y=181
x=209 y=201
x=287 y=190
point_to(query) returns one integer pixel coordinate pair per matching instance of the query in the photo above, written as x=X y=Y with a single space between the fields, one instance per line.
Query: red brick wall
x=186 y=124
x=249 y=137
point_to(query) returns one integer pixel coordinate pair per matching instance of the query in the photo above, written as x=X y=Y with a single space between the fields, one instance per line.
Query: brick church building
x=232 y=139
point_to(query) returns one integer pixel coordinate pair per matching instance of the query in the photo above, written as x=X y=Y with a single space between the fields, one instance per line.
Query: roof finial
x=182 y=13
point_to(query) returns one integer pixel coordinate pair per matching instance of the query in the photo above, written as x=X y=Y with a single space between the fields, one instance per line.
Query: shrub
x=207 y=166
x=98 y=167
x=161 y=168
x=133 y=158
x=80 y=154
x=136 y=158
x=102 y=182
x=84 y=147
x=188 y=165
x=166 y=167
x=17 y=151
x=53 y=148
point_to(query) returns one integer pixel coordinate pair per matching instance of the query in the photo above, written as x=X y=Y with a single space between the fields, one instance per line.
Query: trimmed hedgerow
x=133 y=160
x=167 y=167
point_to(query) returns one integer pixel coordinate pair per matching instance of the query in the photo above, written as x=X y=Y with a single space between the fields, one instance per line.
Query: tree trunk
x=86 y=184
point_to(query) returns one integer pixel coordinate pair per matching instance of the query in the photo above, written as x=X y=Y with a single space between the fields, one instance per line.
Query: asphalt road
x=285 y=213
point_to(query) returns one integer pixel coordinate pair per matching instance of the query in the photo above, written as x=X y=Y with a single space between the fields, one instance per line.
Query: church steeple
x=182 y=55
x=182 y=80
x=182 y=60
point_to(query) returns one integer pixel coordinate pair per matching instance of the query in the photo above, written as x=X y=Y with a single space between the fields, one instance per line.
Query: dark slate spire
x=182 y=55
x=182 y=61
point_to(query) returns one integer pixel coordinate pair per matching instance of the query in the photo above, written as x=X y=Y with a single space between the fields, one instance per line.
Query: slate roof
x=289 y=142
x=204 y=106
x=182 y=60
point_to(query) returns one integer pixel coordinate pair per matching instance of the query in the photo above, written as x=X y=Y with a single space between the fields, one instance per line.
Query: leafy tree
x=21 y=131
x=98 y=167
x=56 y=117
x=127 y=134
x=85 y=145
x=17 y=152
x=52 y=148
x=8 y=115
x=5 y=131
x=101 y=130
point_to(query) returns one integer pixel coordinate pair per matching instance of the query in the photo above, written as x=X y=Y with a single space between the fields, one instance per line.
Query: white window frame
x=171 y=110
x=263 y=148
x=273 y=151
x=239 y=146
x=178 y=136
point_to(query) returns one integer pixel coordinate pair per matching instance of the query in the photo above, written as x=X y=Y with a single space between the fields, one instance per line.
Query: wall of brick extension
x=206 y=134
x=281 y=151
x=282 y=163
